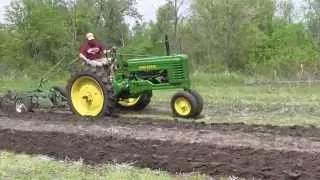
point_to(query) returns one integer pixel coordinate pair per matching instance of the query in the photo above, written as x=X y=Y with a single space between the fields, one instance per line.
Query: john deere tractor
x=96 y=91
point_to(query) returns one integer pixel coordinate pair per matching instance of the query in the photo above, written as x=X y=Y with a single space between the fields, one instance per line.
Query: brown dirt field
x=263 y=152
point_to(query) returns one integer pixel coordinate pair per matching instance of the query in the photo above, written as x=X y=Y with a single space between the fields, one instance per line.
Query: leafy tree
x=43 y=27
x=248 y=36
x=292 y=46
x=312 y=18
x=286 y=10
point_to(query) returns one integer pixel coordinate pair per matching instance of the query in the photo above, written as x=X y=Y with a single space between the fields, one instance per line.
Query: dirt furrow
x=153 y=132
x=217 y=150
x=131 y=119
x=171 y=156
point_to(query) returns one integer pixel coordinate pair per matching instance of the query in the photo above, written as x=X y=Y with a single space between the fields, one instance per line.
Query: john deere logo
x=147 y=67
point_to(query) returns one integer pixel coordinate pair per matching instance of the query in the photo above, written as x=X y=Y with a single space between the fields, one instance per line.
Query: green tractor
x=97 y=91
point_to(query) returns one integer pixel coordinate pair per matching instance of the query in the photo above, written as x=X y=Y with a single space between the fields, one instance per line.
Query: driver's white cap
x=90 y=36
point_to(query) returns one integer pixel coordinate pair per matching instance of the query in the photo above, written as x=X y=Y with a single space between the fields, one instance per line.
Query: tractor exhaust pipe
x=167 y=45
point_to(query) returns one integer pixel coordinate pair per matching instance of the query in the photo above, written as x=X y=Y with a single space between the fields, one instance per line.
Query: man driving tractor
x=93 y=52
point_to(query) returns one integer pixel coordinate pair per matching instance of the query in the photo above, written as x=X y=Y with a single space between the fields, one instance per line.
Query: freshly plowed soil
x=262 y=152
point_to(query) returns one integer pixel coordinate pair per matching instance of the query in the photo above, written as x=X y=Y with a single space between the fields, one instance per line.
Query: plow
x=28 y=101
x=123 y=84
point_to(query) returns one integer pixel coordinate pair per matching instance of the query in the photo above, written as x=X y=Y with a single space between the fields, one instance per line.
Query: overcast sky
x=2 y=4
x=147 y=8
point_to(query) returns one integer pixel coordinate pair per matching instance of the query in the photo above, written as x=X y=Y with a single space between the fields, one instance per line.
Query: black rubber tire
x=143 y=102
x=100 y=74
x=200 y=101
x=192 y=100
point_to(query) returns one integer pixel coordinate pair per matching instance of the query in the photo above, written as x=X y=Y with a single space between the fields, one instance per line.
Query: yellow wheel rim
x=182 y=106
x=87 y=96
x=129 y=102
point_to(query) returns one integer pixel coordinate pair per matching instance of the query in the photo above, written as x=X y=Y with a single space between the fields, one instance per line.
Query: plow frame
x=28 y=101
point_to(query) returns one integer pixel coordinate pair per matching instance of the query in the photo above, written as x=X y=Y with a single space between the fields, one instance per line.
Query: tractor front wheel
x=184 y=104
x=135 y=104
x=199 y=99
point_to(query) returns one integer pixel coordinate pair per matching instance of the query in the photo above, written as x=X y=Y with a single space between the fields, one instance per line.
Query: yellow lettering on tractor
x=147 y=67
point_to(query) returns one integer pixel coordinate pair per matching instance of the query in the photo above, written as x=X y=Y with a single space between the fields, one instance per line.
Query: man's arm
x=82 y=52
x=83 y=57
x=105 y=49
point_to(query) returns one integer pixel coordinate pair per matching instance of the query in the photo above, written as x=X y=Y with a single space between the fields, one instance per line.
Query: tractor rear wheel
x=90 y=92
x=135 y=104
x=184 y=104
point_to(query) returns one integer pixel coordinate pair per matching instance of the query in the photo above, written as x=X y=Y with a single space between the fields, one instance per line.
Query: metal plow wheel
x=23 y=105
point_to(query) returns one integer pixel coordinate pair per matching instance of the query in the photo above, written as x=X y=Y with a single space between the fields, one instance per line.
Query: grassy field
x=228 y=99
x=20 y=167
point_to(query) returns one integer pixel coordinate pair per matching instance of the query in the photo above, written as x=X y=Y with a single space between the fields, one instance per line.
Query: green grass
x=20 y=167
x=231 y=92
x=228 y=99
x=231 y=101
x=223 y=95
x=25 y=85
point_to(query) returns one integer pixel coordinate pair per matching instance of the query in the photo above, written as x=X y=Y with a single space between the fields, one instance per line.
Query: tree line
x=270 y=38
